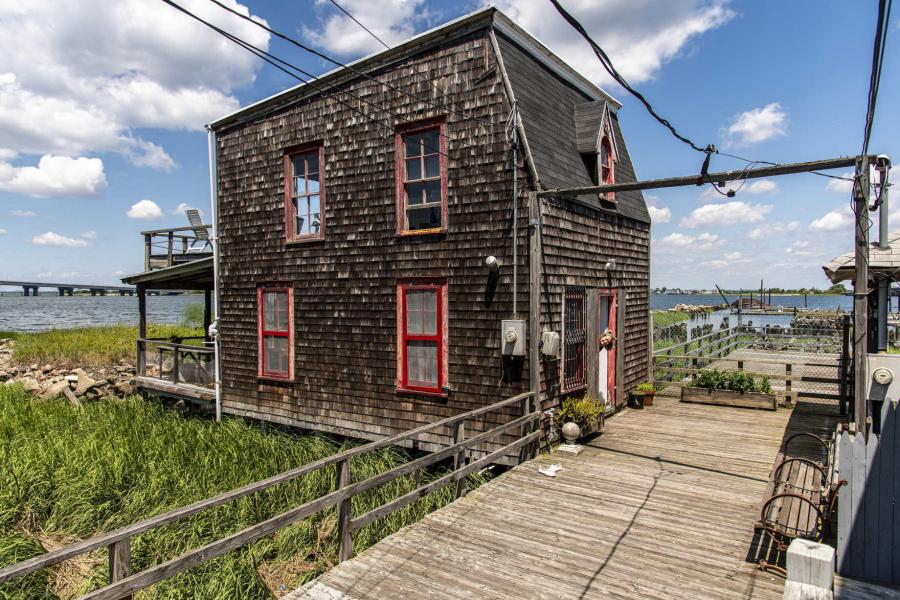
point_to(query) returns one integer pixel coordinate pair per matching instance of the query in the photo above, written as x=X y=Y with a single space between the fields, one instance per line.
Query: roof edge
x=491 y=17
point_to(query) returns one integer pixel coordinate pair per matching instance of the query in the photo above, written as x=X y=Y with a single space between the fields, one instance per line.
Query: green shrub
x=736 y=381
x=192 y=315
x=645 y=387
x=585 y=412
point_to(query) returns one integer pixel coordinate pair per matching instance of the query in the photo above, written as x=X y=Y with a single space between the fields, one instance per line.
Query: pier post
x=93 y=292
x=142 y=311
x=26 y=290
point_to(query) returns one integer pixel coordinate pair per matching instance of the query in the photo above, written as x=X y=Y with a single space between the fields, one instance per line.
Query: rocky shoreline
x=48 y=381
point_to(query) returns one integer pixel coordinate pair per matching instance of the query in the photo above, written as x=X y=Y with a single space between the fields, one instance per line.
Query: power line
x=274 y=60
x=607 y=64
x=352 y=69
x=881 y=29
x=355 y=20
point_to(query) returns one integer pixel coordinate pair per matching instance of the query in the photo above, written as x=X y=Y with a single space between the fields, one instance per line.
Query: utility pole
x=860 y=293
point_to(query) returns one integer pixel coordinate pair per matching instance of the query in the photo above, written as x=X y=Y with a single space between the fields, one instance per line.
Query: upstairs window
x=276 y=332
x=575 y=336
x=304 y=195
x=422 y=179
x=422 y=338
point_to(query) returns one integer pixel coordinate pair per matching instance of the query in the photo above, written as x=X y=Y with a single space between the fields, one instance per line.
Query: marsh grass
x=664 y=318
x=87 y=346
x=69 y=473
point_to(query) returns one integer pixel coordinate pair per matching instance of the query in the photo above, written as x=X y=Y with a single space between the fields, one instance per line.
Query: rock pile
x=48 y=381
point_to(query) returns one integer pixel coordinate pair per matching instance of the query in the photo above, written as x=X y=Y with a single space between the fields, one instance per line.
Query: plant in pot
x=647 y=390
x=585 y=412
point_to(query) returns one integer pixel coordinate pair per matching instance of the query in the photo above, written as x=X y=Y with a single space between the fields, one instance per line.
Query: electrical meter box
x=512 y=337
x=884 y=377
x=550 y=344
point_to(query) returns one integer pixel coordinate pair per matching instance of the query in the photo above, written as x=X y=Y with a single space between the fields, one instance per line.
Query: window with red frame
x=422 y=342
x=422 y=179
x=276 y=332
x=575 y=336
x=304 y=194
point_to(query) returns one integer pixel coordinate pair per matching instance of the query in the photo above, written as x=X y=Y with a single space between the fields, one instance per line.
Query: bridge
x=30 y=288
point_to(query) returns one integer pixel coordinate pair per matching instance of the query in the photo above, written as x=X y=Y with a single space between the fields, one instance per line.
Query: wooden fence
x=123 y=583
x=868 y=543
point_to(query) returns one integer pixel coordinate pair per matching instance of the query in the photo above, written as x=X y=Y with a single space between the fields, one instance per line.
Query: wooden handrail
x=147 y=577
x=174 y=229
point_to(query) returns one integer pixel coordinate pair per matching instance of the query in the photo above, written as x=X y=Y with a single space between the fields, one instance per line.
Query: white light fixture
x=492 y=264
x=610 y=265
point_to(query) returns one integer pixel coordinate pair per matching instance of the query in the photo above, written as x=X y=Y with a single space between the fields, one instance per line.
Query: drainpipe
x=883 y=166
x=514 y=139
x=214 y=238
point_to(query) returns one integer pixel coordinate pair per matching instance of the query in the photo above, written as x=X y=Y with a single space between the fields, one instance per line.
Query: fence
x=868 y=544
x=176 y=362
x=808 y=365
x=118 y=543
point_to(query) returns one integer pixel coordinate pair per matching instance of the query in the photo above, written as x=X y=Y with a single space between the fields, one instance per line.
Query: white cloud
x=757 y=125
x=55 y=176
x=2 y=232
x=179 y=210
x=89 y=235
x=770 y=230
x=145 y=209
x=841 y=218
x=391 y=20
x=659 y=214
x=763 y=186
x=727 y=213
x=24 y=214
x=54 y=239
x=81 y=77
x=639 y=38
x=704 y=241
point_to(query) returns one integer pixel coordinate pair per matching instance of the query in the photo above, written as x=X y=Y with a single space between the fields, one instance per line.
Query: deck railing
x=179 y=363
x=169 y=247
x=123 y=582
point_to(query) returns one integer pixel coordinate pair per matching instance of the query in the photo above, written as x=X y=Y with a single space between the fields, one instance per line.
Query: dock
x=660 y=505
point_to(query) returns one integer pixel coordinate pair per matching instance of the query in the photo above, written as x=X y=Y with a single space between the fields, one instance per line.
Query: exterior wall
x=345 y=286
x=578 y=241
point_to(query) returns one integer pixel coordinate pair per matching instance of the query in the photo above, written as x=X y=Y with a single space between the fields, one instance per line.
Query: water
x=19 y=313
x=39 y=313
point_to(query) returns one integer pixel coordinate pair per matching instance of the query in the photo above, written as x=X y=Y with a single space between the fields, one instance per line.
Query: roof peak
x=488 y=16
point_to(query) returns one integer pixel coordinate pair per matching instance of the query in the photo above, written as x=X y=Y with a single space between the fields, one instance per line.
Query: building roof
x=882 y=261
x=418 y=43
x=194 y=275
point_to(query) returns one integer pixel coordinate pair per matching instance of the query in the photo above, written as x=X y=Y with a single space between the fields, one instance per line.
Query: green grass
x=68 y=473
x=664 y=318
x=87 y=346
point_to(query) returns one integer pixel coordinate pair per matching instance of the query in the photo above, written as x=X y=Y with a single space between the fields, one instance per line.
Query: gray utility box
x=512 y=337
x=884 y=377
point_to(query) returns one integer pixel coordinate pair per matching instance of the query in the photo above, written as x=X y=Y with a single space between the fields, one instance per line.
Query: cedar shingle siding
x=345 y=286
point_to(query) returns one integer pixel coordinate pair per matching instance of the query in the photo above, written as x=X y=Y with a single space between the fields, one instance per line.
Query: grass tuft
x=72 y=473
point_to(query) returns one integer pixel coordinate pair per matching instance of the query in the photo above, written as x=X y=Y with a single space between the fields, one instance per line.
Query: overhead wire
x=352 y=69
x=274 y=61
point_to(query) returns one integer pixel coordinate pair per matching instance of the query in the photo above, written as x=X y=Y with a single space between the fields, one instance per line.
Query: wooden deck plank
x=660 y=506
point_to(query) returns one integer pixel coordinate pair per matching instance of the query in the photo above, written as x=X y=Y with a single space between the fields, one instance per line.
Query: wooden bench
x=801 y=496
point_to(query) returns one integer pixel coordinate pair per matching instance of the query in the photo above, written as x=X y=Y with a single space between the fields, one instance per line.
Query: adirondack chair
x=202 y=243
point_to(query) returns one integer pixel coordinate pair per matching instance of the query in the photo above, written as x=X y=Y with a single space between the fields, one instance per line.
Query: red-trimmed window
x=575 y=336
x=606 y=163
x=421 y=153
x=422 y=336
x=276 y=331
x=304 y=194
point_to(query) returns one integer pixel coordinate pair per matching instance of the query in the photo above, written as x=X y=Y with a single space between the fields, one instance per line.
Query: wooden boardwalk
x=661 y=505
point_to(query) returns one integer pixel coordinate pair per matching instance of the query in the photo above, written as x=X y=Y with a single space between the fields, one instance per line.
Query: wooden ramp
x=661 y=505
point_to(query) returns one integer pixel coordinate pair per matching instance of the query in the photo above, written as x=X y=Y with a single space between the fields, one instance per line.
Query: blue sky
x=102 y=109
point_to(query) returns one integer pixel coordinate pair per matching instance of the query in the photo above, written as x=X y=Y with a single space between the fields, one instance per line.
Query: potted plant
x=647 y=390
x=730 y=388
x=585 y=412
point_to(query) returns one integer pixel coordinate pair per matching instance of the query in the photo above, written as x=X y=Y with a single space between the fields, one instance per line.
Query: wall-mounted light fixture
x=610 y=265
x=492 y=264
